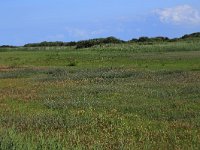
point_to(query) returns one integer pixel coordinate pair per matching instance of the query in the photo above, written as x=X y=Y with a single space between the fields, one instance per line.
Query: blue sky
x=25 y=21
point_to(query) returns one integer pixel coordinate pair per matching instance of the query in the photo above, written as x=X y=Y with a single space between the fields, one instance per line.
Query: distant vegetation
x=44 y=44
x=79 y=44
x=92 y=42
x=193 y=35
x=108 y=40
x=7 y=46
x=154 y=39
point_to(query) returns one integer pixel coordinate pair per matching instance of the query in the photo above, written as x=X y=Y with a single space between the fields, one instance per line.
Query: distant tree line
x=108 y=40
x=50 y=44
x=99 y=41
x=79 y=44
x=7 y=46
x=154 y=39
x=193 y=35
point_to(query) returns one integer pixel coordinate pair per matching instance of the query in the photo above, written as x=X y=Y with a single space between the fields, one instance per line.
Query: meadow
x=112 y=96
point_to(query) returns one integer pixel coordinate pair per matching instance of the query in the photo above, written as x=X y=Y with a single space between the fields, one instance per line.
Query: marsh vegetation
x=111 y=96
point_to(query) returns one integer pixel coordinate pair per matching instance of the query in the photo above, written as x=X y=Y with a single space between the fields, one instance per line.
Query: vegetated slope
x=115 y=96
x=113 y=40
x=193 y=35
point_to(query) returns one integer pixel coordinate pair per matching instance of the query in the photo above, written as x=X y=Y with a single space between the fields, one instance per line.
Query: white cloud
x=75 y=32
x=83 y=33
x=183 y=14
x=56 y=37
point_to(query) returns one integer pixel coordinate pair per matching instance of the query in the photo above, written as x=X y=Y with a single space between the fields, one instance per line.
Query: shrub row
x=109 y=40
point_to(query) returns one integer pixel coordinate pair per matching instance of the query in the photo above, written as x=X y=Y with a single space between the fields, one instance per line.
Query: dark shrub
x=45 y=44
x=99 y=41
x=70 y=44
x=193 y=35
x=144 y=39
x=7 y=46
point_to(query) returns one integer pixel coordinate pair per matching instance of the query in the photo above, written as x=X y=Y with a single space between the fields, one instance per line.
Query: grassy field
x=122 y=96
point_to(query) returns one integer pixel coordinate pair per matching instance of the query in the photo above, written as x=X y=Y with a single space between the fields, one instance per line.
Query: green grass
x=122 y=96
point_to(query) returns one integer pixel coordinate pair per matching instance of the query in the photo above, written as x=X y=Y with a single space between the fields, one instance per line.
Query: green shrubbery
x=109 y=40
x=153 y=39
x=92 y=42
x=43 y=44
x=7 y=46
x=50 y=44
x=193 y=35
x=79 y=44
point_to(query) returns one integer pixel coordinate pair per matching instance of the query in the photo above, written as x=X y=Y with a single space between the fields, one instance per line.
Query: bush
x=193 y=35
x=143 y=39
x=44 y=44
x=150 y=40
x=7 y=46
x=70 y=44
x=99 y=41
x=85 y=44
x=111 y=40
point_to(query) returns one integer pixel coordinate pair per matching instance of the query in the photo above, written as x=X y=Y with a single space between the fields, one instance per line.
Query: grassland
x=117 y=96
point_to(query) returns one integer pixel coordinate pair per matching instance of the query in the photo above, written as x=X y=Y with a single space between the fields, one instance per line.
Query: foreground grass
x=112 y=97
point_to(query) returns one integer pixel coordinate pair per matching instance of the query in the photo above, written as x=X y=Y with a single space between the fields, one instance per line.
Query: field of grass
x=122 y=96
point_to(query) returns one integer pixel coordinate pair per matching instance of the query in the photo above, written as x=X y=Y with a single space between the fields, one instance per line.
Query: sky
x=23 y=21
